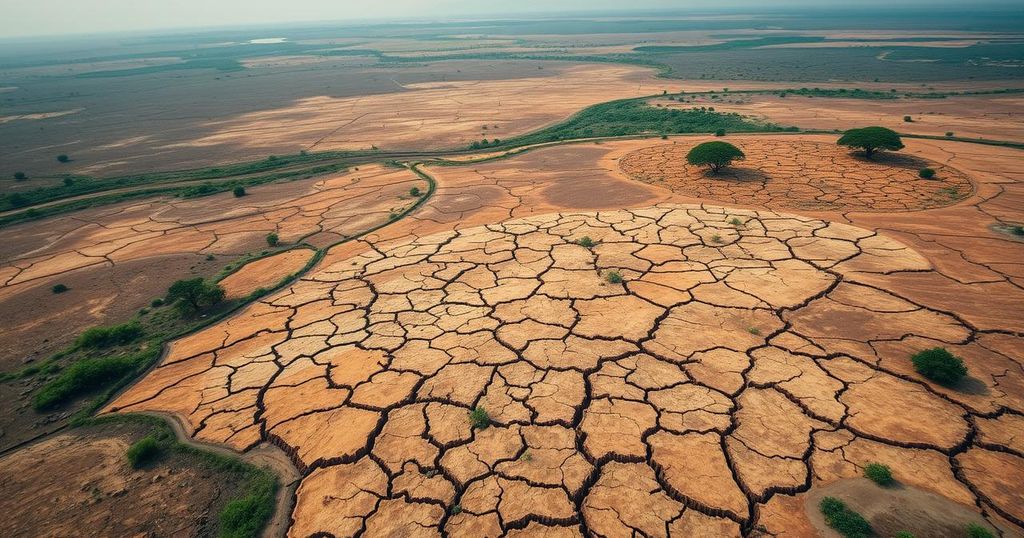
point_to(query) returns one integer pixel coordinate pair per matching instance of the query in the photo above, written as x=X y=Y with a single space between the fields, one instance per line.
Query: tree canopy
x=193 y=294
x=871 y=139
x=714 y=155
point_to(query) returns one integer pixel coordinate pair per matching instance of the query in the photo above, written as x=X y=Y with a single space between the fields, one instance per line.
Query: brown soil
x=116 y=259
x=794 y=174
x=79 y=483
x=265 y=272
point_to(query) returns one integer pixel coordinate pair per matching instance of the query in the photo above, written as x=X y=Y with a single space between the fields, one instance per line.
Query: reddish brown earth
x=736 y=367
x=265 y=272
x=116 y=259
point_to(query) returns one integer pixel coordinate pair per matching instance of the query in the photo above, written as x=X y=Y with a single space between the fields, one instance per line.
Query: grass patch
x=91 y=375
x=115 y=335
x=975 y=530
x=479 y=419
x=144 y=451
x=613 y=277
x=878 y=473
x=846 y=522
x=246 y=516
x=585 y=242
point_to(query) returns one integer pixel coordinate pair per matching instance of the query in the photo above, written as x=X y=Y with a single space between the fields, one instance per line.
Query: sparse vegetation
x=87 y=376
x=939 y=365
x=871 y=140
x=238 y=191
x=714 y=155
x=926 y=173
x=975 y=530
x=192 y=295
x=273 y=239
x=878 y=473
x=585 y=242
x=245 y=517
x=904 y=534
x=716 y=238
x=143 y=451
x=735 y=221
x=115 y=335
x=613 y=277
x=479 y=419
x=59 y=288
x=846 y=522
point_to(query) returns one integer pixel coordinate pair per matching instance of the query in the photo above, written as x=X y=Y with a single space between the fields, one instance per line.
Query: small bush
x=479 y=419
x=273 y=239
x=939 y=365
x=908 y=119
x=949 y=133
x=585 y=242
x=156 y=303
x=415 y=191
x=115 y=335
x=735 y=221
x=143 y=452
x=238 y=191
x=846 y=522
x=20 y=176
x=1017 y=230
x=974 y=530
x=63 y=158
x=613 y=277
x=720 y=132
x=878 y=473
x=59 y=288
x=664 y=137
x=926 y=173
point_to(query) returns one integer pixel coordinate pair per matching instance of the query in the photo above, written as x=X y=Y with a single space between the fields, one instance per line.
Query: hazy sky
x=46 y=17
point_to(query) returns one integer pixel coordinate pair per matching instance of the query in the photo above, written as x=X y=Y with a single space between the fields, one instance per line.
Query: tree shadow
x=971 y=385
x=896 y=160
x=739 y=174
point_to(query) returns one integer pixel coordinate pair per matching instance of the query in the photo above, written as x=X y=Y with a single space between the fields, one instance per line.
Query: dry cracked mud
x=790 y=174
x=745 y=356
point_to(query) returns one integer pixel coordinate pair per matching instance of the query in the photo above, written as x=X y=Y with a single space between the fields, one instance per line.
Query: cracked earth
x=747 y=356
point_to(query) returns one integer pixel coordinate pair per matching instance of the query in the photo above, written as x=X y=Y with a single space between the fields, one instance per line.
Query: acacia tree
x=192 y=295
x=714 y=155
x=871 y=139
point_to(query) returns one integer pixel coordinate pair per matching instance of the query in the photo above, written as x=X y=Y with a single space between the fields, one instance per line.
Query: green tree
x=714 y=155
x=20 y=176
x=273 y=239
x=192 y=295
x=871 y=139
x=239 y=191
x=939 y=365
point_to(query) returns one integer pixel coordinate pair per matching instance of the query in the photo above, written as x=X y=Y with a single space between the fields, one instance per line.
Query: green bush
x=143 y=451
x=86 y=376
x=714 y=155
x=59 y=288
x=238 y=191
x=191 y=296
x=63 y=158
x=245 y=517
x=613 y=277
x=156 y=303
x=846 y=522
x=1017 y=230
x=974 y=530
x=415 y=191
x=20 y=176
x=479 y=419
x=871 y=140
x=115 y=335
x=939 y=365
x=926 y=173
x=585 y=242
x=720 y=132
x=949 y=133
x=272 y=239
x=878 y=473
x=908 y=119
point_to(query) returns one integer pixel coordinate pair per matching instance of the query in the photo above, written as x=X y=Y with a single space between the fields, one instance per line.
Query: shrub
x=156 y=303
x=238 y=191
x=479 y=419
x=926 y=173
x=613 y=277
x=59 y=288
x=415 y=191
x=84 y=376
x=939 y=365
x=245 y=517
x=273 y=239
x=20 y=176
x=714 y=155
x=664 y=137
x=846 y=522
x=585 y=242
x=720 y=132
x=878 y=473
x=908 y=119
x=735 y=221
x=871 y=139
x=63 y=158
x=115 y=335
x=1017 y=230
x=949 y=133
x=974 y=530
x=143 y=451
x=192 y=295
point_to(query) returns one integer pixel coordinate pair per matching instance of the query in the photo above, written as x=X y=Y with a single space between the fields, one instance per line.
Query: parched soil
x=79 y=483
x=265 y=272
x=781 y=173
x=116 y=259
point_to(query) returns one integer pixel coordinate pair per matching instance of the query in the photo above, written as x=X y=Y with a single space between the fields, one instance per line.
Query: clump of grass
x=479 y=419
x=273 y=239
x=585 y=242
x=716 y=238
x=613 y=277
x=526 y=456
x=144 y=451
x=939 y=365
x=846 y=522
x=59 y=288
x=456 y=510
x=735 y=221
x=98 y=337
x=878 y=473
x=245 y=517
x=975 y=530
x=754 y=331
x=89 y=375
